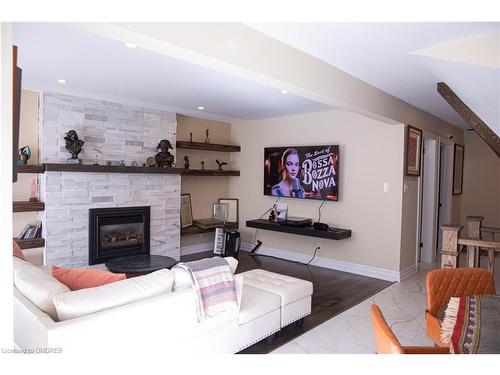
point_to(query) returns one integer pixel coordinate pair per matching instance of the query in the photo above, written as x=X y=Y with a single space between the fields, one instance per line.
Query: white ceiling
x=94 y=64
x=382 y=54
x=398 y=58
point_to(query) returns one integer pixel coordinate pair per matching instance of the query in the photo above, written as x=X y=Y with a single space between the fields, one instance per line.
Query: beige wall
x=409 y=222
x=481 y=186
x=284 y=68
x=28 y=135
x=204 y=190
x=371 y=153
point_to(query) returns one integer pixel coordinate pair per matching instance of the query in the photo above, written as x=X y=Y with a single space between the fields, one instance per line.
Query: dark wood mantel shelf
x=207 y=146
x=31 y=168
x=52 y=167
x=109 y=169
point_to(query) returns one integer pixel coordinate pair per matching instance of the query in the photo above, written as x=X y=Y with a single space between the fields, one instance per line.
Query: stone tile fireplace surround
x=115 y=132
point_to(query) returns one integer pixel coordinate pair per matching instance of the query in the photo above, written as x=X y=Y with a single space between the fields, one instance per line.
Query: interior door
x=445 y=186
x=429 y=202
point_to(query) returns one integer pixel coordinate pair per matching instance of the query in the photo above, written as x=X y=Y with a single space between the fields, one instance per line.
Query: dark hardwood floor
x=334 y=292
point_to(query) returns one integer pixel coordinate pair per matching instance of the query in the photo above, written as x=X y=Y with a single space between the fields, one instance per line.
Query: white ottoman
x=295 y=293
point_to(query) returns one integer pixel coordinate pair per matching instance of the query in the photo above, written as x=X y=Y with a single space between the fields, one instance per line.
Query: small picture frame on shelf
x=186 y=211
x=219 y=212
x=232 y=209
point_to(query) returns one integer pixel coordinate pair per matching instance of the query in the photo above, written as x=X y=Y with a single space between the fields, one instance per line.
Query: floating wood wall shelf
x=207 y=146
x=197 y=230
x=34 y=168
x=27 y=206
x=30 y=243
x=209 y=172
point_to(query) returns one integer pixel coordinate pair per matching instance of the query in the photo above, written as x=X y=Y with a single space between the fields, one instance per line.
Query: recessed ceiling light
x=61 y=81
x=130 y=45
x=284 y=92
x=201 y=108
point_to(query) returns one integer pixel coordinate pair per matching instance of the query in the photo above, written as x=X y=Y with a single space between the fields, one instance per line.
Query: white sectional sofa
x=164 y=323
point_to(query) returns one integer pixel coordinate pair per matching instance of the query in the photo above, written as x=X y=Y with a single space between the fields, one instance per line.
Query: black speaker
x=320 y=226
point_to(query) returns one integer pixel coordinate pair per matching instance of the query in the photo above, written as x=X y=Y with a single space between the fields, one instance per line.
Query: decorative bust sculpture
x=23 y=155
x=73 y=145
x=164 y=158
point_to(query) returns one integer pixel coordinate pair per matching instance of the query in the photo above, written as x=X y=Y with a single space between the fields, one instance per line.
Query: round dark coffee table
x=134 y=265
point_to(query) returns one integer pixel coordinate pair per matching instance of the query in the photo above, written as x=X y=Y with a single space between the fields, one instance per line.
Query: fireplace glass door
x=118 y=232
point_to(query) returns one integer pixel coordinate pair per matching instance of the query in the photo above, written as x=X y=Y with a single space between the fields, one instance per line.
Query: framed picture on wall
x=186 y=211
x=458 y=168
x=413 y=151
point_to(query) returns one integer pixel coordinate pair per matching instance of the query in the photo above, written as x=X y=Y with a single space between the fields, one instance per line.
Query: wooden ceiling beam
x=470 y=117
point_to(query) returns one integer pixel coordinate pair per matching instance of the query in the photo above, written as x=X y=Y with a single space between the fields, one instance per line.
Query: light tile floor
x=403 y=305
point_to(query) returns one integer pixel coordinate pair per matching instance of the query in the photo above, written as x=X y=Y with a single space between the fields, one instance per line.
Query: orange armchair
x=442 y=284
x=387 y=343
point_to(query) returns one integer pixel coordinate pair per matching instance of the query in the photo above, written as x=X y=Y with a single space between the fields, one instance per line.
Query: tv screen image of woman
x=309 y=172
x=289 y=186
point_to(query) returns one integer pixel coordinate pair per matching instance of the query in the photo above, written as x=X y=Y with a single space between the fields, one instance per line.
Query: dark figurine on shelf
x=207 y=140
x=164 y=158
x=191 y=137
x=186 y=162
x=202 y=164
x=23 y=155
x=74 y=146
x=220 y=164
x=273 y=215
x=96 y=161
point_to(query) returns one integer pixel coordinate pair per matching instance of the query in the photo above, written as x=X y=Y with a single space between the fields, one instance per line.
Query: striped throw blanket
x=471 y=325
x=213 y=284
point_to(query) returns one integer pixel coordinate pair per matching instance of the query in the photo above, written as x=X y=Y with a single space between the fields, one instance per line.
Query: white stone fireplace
x=112 y=132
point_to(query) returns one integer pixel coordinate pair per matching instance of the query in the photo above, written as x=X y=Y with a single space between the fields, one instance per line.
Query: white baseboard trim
x=407 y=272
x=358 y=269
x=199 y=248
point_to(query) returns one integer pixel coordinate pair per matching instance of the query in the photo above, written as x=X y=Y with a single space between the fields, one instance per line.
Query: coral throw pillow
x=18 y=252
x=76 y=279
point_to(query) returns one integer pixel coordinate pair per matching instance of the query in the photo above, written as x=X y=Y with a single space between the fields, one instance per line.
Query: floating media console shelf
x=331 y=234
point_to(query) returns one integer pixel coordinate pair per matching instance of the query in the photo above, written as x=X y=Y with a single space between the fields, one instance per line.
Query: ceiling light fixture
x=61 y=81
x=201 y=108
x=284 y=92
x=130 y=45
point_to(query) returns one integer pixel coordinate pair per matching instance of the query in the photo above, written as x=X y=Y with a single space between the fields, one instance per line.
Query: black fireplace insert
x=115 y=232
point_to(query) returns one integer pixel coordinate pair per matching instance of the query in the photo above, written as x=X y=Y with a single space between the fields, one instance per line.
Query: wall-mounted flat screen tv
x=308 y=172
